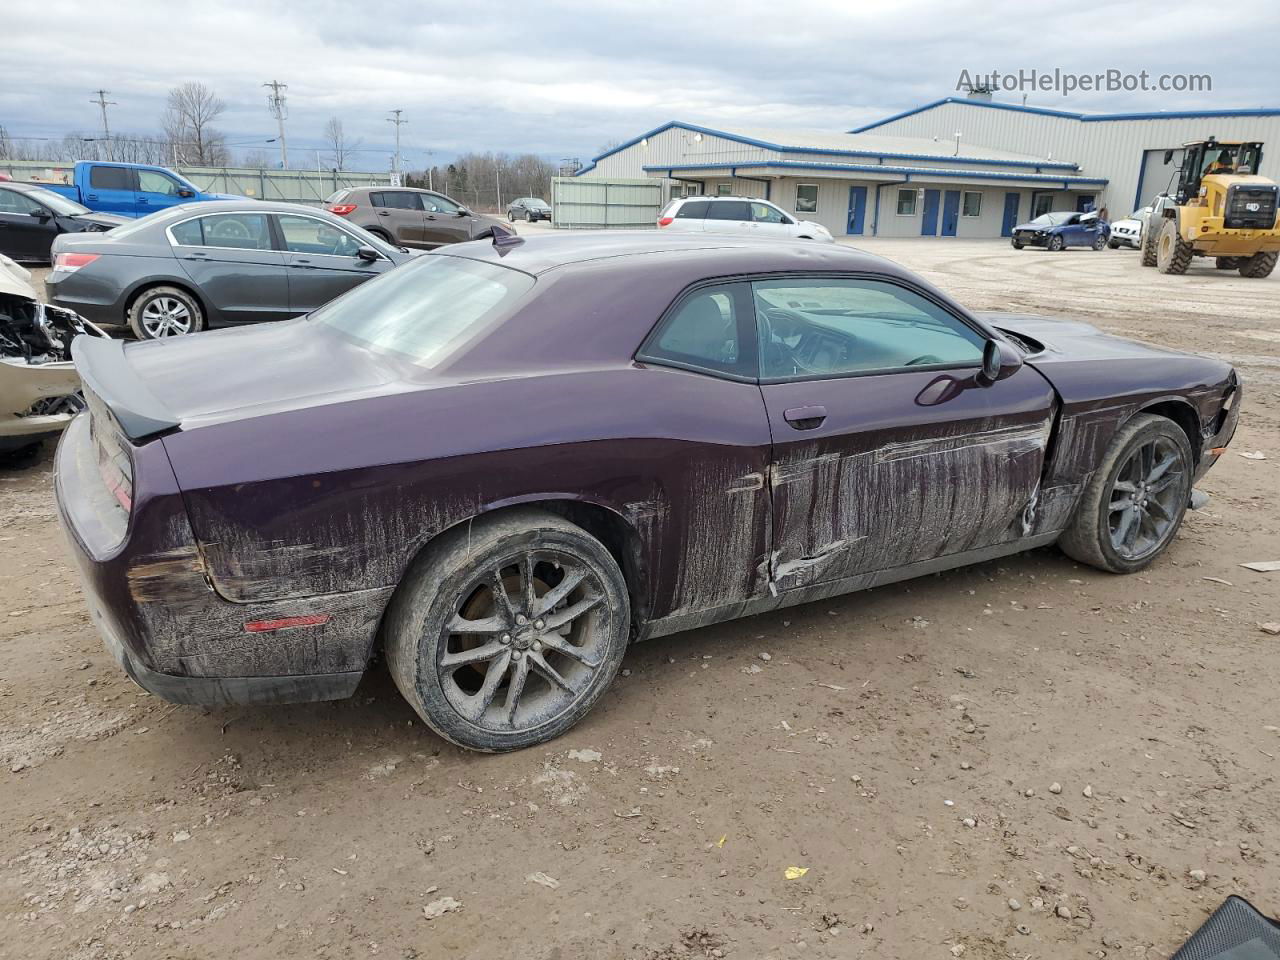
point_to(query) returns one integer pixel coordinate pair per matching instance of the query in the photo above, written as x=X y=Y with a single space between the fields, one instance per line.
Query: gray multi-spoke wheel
x=506 y=631
x=165 y=312
x=1133 y=506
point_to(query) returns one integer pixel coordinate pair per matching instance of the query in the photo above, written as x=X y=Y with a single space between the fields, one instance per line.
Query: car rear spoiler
x=105 y=371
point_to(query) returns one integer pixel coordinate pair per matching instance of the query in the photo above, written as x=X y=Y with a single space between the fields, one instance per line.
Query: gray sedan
x=214 y=264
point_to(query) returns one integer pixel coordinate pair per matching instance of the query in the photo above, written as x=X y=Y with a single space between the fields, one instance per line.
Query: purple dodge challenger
x=503 y=462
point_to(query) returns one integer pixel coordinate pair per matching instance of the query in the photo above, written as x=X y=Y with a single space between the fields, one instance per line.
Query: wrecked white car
x=39 y=386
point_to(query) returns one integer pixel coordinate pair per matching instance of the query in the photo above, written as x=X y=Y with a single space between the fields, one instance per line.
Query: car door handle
x=384 y=213
x=805 y=418
x=91 y=196
x=304 y=264
x=431 y=216
x=143 y=200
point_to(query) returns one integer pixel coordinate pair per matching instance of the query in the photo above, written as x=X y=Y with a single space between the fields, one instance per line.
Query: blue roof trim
x=1070 y=115
x=921 y=173
x=829 y=151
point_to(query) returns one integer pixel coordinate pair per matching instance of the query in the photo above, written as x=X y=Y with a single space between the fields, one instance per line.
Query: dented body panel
x=309 y=492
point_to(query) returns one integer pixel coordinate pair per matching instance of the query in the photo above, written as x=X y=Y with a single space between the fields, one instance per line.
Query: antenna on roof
x=504 y=238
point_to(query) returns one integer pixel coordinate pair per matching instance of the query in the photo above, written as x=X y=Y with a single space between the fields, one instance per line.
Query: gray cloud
x=561 y=79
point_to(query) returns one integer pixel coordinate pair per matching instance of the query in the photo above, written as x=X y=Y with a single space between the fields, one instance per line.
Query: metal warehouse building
x=966 y=167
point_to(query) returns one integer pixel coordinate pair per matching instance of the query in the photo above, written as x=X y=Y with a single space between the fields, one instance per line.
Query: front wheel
x=1055 y=243
x=505 y=632
x=1133 y=506
x=1018 y=244
x=1173 y=254
x=1099 y=242
x=528 y=217
x=1113 y=245
x=163 y=312
x=1149 y=236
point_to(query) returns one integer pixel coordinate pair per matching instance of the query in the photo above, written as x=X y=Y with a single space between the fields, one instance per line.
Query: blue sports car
x=1062 y=229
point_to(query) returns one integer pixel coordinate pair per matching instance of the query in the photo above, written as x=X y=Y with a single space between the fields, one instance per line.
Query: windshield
x=428 y=310
x=1052 y=219
x=57 y=202
x=535 y=202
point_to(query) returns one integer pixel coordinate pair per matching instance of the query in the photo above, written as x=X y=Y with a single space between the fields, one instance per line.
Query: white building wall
x=1103 y=148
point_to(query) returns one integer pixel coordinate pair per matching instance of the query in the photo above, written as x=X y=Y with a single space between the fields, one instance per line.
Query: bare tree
x=188 y=122
x=340 y=147
x=259 y=159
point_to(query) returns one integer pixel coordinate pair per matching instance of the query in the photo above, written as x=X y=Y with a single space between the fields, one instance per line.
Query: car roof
x=538 y=254
x=719 y=198
x=183 y=210
x=17 y=187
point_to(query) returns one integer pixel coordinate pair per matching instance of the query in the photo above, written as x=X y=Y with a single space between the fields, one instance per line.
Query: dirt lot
x=901 y=745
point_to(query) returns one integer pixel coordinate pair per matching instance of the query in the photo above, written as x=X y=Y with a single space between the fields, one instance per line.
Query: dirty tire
x=1149 y=237
x=1227 y=263
x=1018 y=244
x=147 y=311
x=460 y=681
x=1259 y=265
x=1173 y=254
x=1088 y=537
x=1056 y=244
x=1113 y=245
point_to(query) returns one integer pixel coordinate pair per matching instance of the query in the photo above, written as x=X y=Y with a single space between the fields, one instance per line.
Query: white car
x=742 y=216
x=1129 y=230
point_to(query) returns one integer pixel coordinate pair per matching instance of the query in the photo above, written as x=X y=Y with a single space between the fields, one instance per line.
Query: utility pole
x=276 y=101
x=395 y=118
x=103 y=102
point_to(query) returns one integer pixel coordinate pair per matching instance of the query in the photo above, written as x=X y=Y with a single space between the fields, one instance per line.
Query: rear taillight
x=115 y=466
x=342 y=209
x=666 y=221
x=71 y=262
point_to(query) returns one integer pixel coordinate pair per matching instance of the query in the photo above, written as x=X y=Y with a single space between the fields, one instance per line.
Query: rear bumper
x=148 y=596
x=96 y=301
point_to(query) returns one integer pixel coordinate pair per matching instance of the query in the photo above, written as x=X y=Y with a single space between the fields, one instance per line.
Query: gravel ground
x=1021 y=759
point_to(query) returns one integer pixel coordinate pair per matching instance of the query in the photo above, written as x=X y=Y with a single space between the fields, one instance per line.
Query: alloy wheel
x=527 y=636
x=166 y=317
x=1144 y=508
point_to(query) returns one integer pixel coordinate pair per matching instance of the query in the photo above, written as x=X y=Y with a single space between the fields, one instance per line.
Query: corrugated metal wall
x=1108 y=148
x=599 y=203
x=303 y=186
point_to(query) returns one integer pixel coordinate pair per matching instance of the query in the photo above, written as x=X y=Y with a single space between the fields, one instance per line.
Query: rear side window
x=111 y=178
x=188 y=234
x=692 y=210
x=728 y=210
x=703 y=332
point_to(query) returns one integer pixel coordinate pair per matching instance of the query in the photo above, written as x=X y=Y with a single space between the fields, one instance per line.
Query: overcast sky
x=564 y=78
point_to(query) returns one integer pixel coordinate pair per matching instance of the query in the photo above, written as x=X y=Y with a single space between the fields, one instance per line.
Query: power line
x=280 y=112
x=103 y=103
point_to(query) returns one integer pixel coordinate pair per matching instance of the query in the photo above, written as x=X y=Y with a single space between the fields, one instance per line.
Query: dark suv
x=409 y=217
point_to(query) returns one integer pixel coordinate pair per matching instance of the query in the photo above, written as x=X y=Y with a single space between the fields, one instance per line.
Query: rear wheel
x=1173 y=254
x=505 y=633
x=1133 y=506
x=1258 y=266
x=165 y=312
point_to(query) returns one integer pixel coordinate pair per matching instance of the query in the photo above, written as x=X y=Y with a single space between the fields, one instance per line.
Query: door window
x=823 y=328
x=111 y=178
x=764 y=213
x=11 y=201
x=309 y=235
x=438 y=204
x=188 y=234
x=728 y=210
x=240 y=231
x=702 y=332
x=398 y=200
x=152 y=181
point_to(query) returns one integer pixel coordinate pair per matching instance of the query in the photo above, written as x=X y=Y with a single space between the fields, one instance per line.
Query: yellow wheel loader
x=1221 y=209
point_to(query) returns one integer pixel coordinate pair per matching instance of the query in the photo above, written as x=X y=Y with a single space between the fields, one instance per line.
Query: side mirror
x=1168 y=157
x=463 y=212
x=999 y=362
x=367 y=254
x=41 y=214
x=185 y=193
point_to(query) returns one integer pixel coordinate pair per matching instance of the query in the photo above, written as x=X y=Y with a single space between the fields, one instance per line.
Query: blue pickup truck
x=127 y=189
